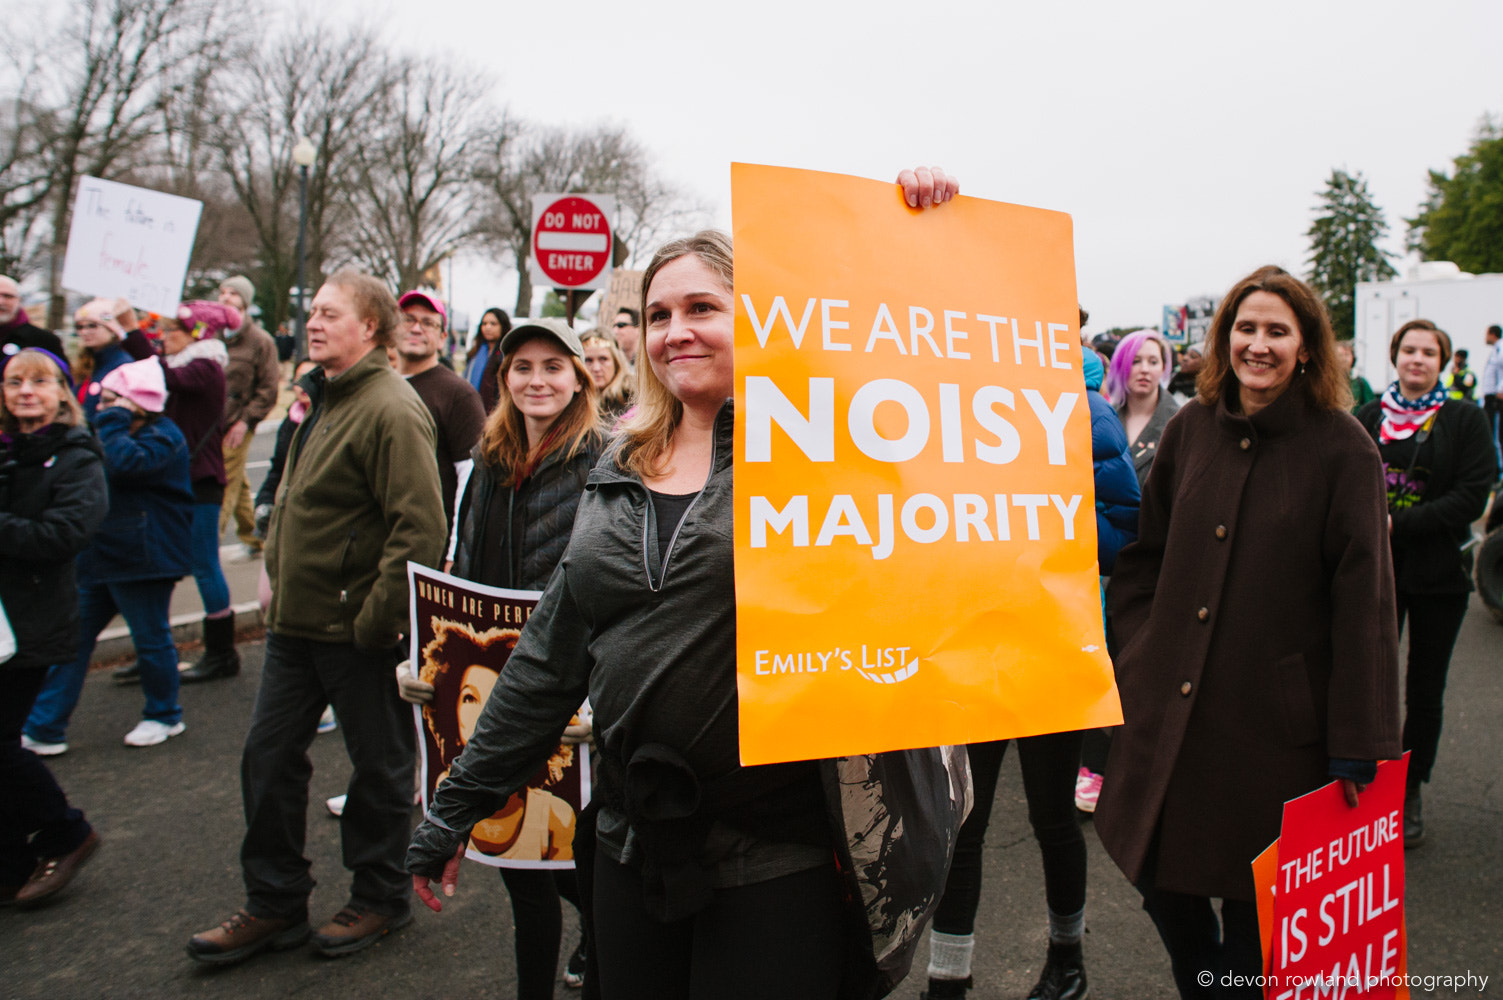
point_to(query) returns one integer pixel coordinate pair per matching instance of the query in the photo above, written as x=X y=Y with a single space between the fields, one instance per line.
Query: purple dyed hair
x=1117 y=373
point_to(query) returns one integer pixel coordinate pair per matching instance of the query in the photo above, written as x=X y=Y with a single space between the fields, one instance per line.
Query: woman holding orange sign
x=1255 y=616
x=710 y=879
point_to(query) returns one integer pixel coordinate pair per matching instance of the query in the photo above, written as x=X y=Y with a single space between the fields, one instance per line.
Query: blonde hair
x=33 y=364
x=618 y=391
x=647 y=437
x=503 y=440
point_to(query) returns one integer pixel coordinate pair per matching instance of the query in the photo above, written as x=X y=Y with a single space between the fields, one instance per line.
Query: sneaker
x=1087 y=790
x=43 y=749
x=243 y=935
x=355 y=927
x=327 y=722
x=335 y=805
x=575 y=969
x=150 y=732
x=946 y=989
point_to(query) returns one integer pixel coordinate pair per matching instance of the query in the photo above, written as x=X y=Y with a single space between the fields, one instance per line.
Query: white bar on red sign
x=586 y=242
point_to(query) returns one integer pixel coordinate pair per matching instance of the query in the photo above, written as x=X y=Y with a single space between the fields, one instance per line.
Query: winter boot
x=1063 y=977
x=946 y=989
x=220 y=658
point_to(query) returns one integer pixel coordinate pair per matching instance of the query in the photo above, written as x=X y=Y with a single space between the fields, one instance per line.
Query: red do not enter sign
x=571 y=241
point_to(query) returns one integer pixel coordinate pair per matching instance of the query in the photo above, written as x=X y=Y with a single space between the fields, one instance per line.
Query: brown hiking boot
x=243 y=935
x=356 y=927
x=54 y=874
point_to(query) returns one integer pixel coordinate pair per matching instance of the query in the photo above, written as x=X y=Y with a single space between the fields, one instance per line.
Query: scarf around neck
x=1403 y=417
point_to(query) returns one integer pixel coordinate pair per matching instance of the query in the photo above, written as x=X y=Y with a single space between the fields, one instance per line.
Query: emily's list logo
x=878 y=664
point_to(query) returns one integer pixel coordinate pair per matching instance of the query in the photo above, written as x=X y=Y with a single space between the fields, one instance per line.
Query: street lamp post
x=303 y=154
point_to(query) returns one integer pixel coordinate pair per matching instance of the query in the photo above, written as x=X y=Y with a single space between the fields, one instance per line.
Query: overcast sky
x=1187 y=140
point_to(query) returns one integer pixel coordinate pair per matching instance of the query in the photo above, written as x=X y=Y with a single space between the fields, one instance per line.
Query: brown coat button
x=1203 y=614
x=1184 y=689
x=1246 y=443
x=1220 y=531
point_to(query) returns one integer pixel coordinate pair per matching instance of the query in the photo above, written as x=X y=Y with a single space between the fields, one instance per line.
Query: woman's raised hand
x=926 y=186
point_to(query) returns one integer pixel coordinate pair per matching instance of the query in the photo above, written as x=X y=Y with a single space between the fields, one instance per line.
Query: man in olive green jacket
x=359 y=498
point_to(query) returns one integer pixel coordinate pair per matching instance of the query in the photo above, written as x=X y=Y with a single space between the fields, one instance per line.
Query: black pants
x=538 y=921
x=1050 y=764
x=1198 y=943
x=301 y=677
x=781 y=938
x=36 y=821
x=1434 y=622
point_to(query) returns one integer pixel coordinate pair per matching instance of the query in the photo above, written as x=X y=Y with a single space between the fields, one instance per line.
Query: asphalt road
x=171 y=822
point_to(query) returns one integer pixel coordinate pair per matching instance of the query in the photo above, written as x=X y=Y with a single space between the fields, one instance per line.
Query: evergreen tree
x=1462 y=218
x=1344 y=246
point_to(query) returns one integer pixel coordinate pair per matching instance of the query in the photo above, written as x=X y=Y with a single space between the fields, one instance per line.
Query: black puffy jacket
x=52 y=498
x=545 y=504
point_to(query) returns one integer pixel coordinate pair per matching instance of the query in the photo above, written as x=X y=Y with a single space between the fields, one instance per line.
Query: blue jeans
x=212 y=589
x=144 y=604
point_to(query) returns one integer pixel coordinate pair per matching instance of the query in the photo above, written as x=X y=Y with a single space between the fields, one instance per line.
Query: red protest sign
x=1338 y=906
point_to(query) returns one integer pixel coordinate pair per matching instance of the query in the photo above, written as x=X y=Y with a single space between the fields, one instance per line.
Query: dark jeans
x=1197 y=942
x=1050 y=764
x=1434 y=623
x=301 y=677
x=538 y=922
x=144 y=605
x=35 y=819
x=782 y=938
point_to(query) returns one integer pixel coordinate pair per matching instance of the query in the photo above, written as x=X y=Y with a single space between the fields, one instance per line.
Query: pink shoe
x=1087 y=790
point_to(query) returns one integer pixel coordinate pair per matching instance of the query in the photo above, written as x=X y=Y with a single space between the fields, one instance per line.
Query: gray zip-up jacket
x=654 y=647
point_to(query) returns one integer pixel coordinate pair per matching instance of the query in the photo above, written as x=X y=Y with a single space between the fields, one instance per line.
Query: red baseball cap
x=423 y=298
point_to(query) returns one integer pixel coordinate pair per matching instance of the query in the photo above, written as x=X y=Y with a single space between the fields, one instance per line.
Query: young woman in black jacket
x=52 y=498
x=1440 y=465
x=513 y=524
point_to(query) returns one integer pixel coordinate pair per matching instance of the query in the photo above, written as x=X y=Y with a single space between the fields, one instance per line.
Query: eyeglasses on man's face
x=430 y=323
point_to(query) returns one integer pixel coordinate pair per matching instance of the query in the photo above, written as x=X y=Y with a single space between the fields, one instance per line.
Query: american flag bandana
x=1402 y=417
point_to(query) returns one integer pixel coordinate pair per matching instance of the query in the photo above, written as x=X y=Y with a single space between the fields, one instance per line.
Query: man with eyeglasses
x=16 y=330
x=454 y=403
x=628 y=332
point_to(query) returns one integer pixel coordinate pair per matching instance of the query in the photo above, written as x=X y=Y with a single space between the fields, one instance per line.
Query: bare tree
x=602 y=159
x=102 y=90
x=24 y=185
x=323 y=83
x=414 y=174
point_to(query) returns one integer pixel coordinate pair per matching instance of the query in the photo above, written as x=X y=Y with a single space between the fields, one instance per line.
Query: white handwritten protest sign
x=130 y=242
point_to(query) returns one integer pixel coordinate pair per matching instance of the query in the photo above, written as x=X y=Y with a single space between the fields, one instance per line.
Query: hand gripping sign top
x=915 y=529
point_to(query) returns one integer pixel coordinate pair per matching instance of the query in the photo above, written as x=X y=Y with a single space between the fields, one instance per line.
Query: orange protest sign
x=915 y=532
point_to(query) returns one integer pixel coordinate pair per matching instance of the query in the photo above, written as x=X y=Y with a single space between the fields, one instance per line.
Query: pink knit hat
x=206 y=320
x=141 y=382
x=101 y=311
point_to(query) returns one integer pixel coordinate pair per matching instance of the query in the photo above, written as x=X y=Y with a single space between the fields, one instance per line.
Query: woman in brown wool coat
x=1255 y=618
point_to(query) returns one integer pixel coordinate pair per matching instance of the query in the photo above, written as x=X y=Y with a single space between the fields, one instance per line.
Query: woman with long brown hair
x=1256 y=626
x=513 y=524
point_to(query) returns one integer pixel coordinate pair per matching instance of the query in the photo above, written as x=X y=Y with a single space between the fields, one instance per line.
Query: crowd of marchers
x=1245 y=479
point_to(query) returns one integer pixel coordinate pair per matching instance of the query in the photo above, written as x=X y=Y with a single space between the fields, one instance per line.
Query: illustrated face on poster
x=463 y=655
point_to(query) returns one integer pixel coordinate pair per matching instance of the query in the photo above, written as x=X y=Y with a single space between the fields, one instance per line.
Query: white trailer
x=1463 y=305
